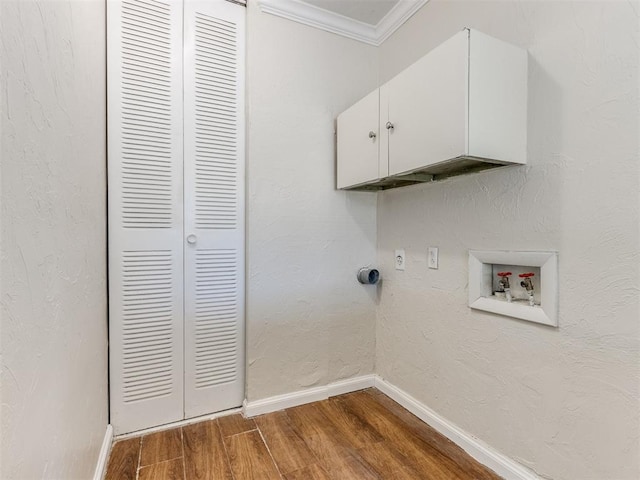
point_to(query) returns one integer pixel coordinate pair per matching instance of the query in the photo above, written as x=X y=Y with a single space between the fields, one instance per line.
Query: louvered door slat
x=214 y=206
x=145 y=212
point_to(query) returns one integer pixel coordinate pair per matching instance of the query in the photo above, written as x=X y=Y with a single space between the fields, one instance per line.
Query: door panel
x=214 y=206
x=383 y=118
x=358 y=140
x=145 y=213
x=428 y=107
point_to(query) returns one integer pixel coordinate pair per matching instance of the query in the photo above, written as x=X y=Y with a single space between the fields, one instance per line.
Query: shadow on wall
x=497 y=201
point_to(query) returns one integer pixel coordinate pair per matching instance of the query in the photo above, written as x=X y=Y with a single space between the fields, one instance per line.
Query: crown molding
x=400 y=13
x=307 y=14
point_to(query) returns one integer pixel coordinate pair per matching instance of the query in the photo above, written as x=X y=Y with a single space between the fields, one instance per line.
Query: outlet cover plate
x=399 y=259
x=432 y=257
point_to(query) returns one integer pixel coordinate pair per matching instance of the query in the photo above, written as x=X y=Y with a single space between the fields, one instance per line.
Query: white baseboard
x=351 y=385
x=288 y=400
x=104 y=454
x=483 y=453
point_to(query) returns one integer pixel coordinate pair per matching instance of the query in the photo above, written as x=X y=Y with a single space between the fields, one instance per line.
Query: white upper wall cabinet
x=459 y=109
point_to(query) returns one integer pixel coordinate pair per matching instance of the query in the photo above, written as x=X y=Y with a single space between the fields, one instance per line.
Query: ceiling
x=368 y=21
x=367 y=11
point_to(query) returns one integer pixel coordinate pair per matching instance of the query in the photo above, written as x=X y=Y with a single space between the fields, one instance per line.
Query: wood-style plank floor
x=361 y=435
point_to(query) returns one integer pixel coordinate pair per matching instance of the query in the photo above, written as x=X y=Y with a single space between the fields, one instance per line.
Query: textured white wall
x=308 y=320
x=563 y=401
x=53 y=292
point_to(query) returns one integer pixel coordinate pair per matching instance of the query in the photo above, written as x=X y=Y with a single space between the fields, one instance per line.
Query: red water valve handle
x=526 y=275
x=504 y=274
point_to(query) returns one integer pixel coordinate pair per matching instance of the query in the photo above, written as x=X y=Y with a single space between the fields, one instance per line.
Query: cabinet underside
x=432 y=173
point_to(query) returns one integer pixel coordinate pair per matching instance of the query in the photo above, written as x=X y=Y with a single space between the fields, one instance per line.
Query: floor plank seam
x=162 y=461
x=139 y=459
x=269 y=451
x=241 y=433
x=226 y=452
x=184 y=460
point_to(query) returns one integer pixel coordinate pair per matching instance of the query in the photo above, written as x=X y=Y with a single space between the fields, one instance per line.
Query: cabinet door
x=214 y=205
x=145 y=213
x=358 y=140
x=428 y=108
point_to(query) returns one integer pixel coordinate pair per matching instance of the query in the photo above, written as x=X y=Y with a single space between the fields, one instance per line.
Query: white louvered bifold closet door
x=214 y=205
x=176 y=209
x=145 y=212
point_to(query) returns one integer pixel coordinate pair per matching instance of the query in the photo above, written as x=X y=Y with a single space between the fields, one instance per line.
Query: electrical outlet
x=432 y=257
x=399 y=259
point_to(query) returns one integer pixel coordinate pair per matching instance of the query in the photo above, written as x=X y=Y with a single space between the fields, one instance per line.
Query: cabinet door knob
x=389 y=126
x=372 y=134
x=192 y=239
